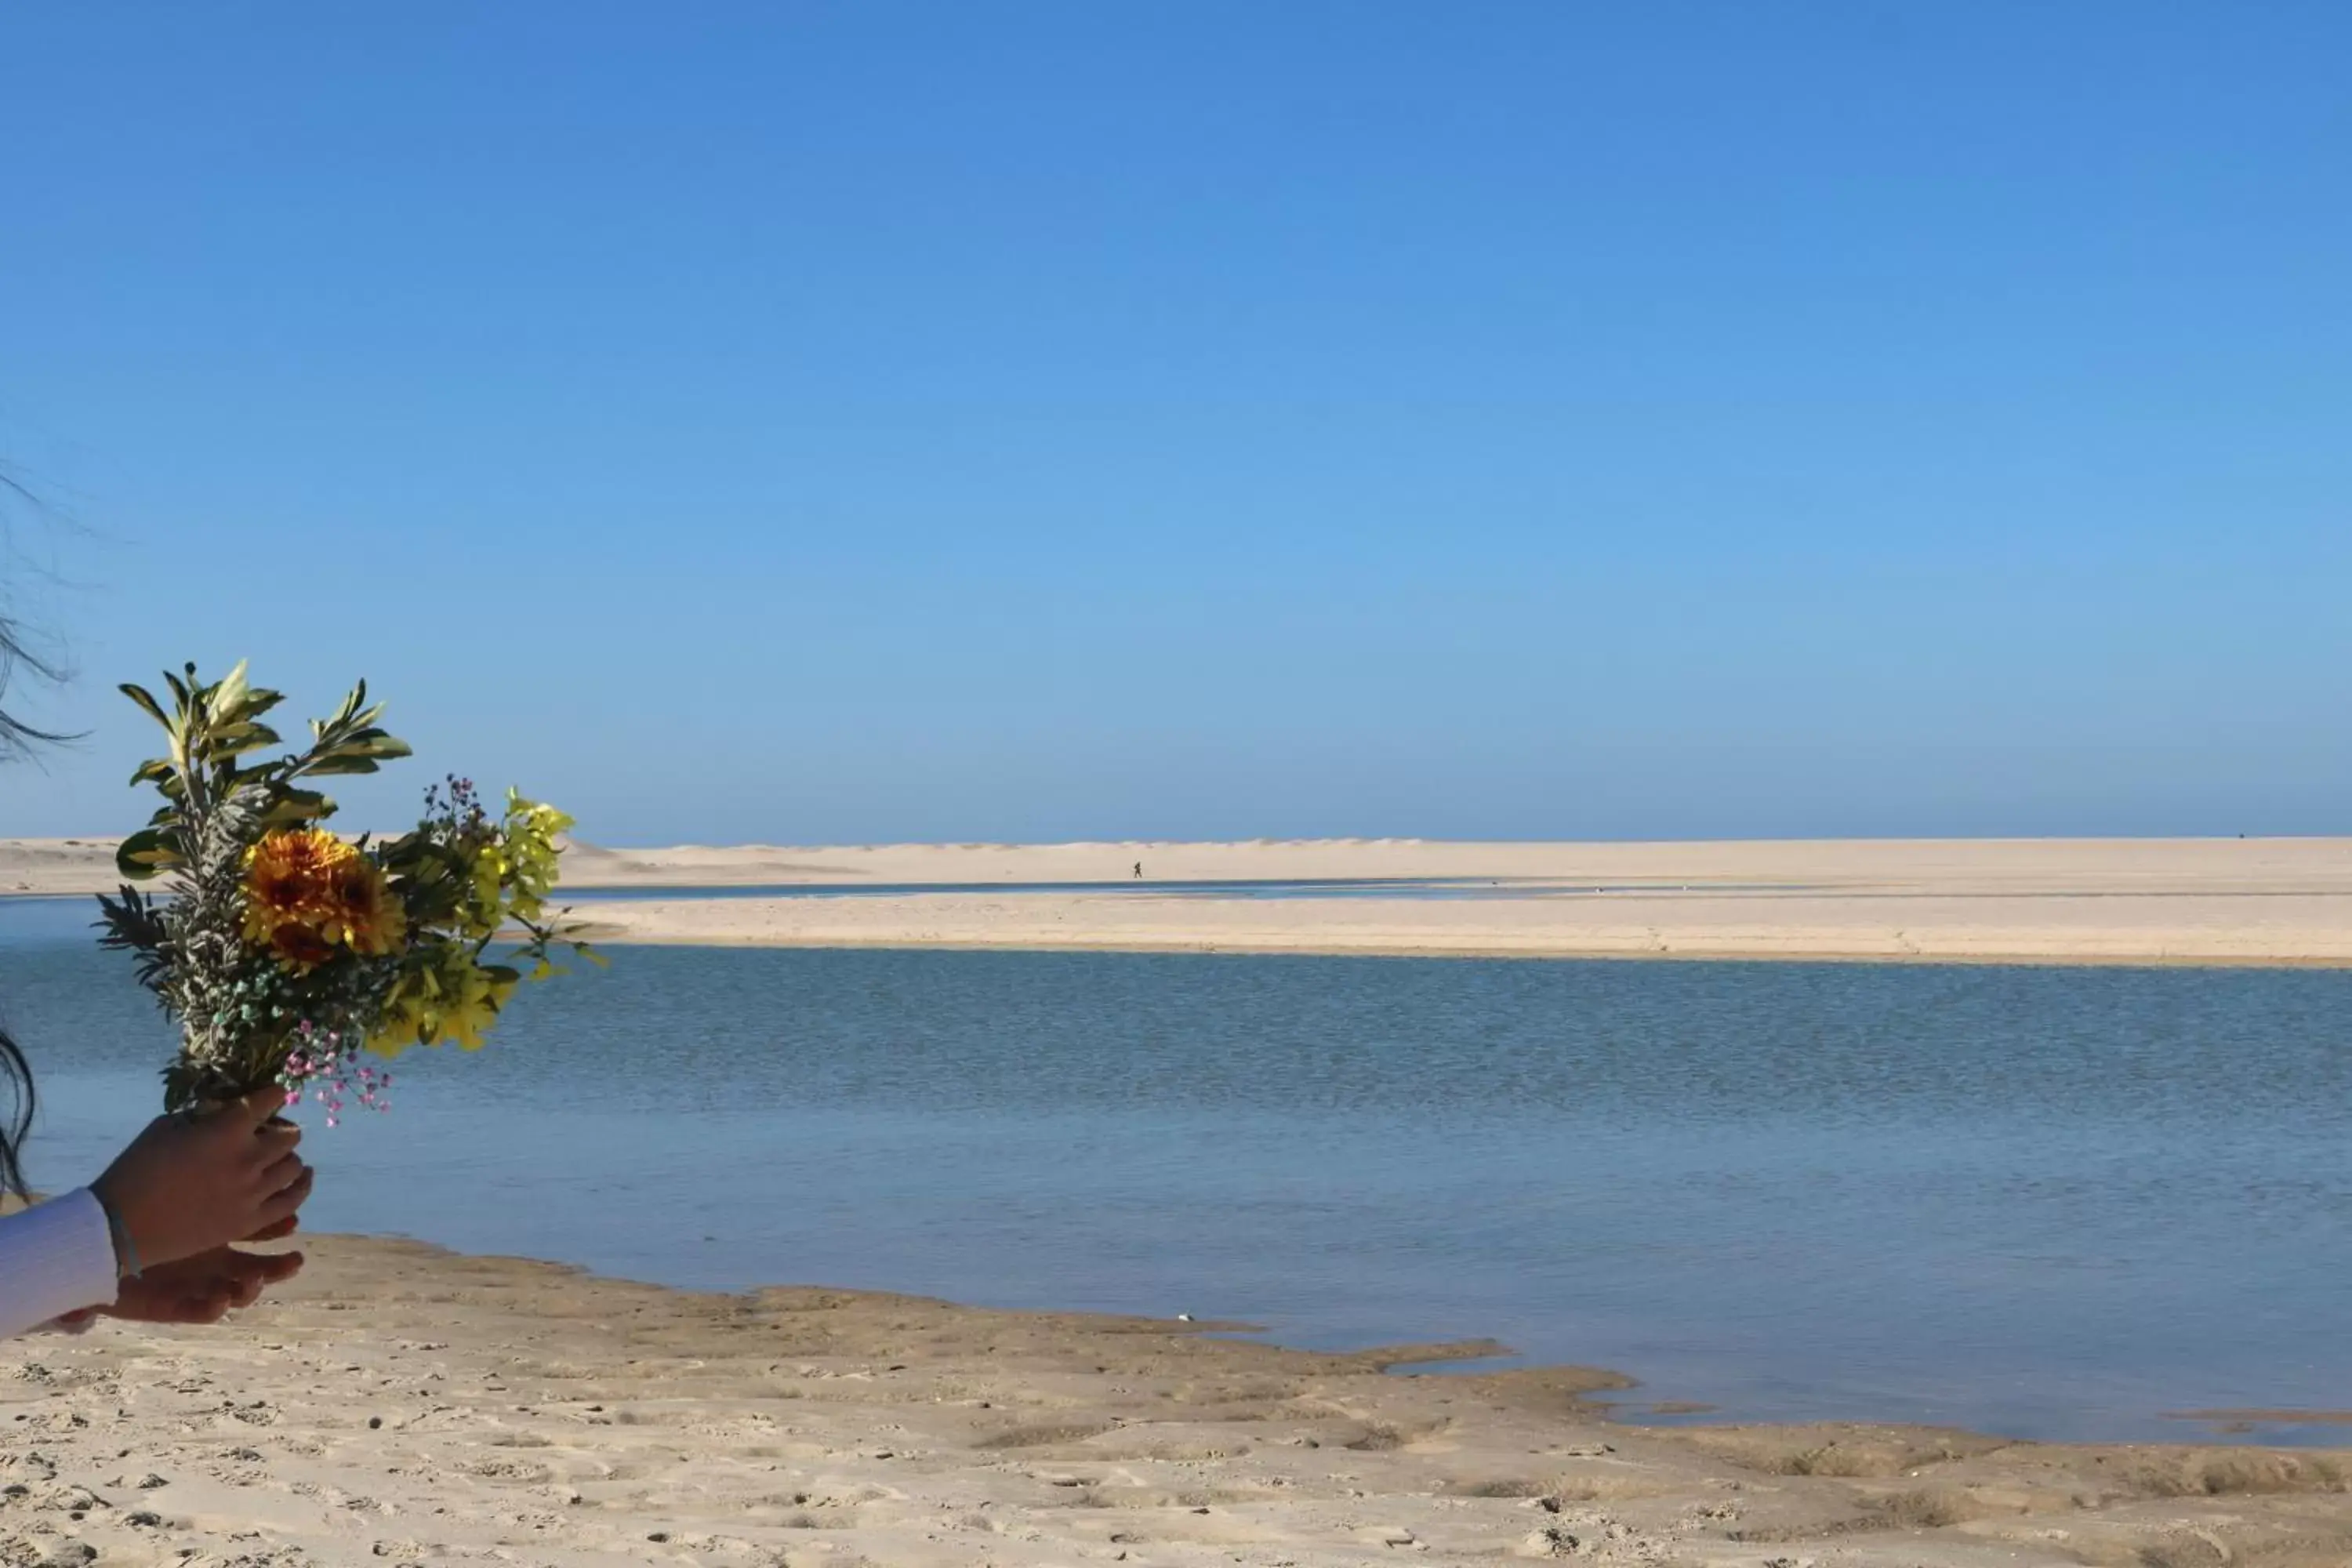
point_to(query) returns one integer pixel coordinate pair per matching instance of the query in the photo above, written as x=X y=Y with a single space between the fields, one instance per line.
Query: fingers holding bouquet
x=282 y=1181
x=187 y=1185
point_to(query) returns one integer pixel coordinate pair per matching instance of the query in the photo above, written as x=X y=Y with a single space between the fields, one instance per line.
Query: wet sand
x=400 y=1404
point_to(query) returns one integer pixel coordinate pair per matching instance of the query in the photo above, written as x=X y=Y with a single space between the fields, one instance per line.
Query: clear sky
x=1056 y=419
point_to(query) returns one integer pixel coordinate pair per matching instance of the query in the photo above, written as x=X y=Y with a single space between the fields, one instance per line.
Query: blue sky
x=952 y=421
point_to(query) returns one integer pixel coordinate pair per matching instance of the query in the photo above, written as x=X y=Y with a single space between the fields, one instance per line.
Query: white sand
x=403 y=1405
x=2196 y=901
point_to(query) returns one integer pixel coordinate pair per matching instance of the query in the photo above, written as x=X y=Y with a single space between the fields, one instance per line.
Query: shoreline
x=403 y=1402
x=624 y=936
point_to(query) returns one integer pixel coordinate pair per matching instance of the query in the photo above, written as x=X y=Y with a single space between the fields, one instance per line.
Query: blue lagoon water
x=2045 y=1201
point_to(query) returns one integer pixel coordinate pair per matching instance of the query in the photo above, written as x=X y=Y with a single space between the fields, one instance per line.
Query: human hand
x=185 y=1187
x=202 y=1288
x=198 y=1290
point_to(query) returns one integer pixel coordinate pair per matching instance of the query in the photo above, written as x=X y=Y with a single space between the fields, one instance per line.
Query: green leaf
x=228 y=694
x=257 y=702
x=237 y=740
x=295 y=806
x=153 y=771
x=140 y=695
x=145 y=853
x=347 y=715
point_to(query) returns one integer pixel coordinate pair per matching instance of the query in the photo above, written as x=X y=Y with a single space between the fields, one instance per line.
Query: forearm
x=55 y=1257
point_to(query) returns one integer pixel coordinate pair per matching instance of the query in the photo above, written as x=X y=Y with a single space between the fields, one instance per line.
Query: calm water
x=2046 y=1202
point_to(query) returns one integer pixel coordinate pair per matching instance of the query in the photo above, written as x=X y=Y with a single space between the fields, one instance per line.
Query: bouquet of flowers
x=288 y=954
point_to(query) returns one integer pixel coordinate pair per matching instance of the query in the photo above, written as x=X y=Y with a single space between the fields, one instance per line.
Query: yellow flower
x=307 y=892
x=299 y=947
x=484 y=913
x=530 y=834
x=290 y=878
x=363 y=915
x=453 y=999
x=473 y=1005
x=403 y=1022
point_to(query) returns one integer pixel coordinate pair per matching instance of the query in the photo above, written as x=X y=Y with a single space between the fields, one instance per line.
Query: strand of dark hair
x=17 y=740
x=16 y=653
x=19 y=1120
x=16 y=737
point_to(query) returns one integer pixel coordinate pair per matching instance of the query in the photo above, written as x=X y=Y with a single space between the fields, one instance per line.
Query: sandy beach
x=2263 y=902
x=400 y=1404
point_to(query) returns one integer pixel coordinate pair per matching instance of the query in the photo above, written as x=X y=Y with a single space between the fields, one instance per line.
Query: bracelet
x=126 y=1255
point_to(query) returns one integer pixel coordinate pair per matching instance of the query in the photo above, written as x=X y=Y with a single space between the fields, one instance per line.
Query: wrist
x=126 y=1251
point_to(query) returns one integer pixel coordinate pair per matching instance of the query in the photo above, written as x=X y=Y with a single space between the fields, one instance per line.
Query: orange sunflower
x=300 y=948
x=364 y=916
x=306 y=891
x=290 y=880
